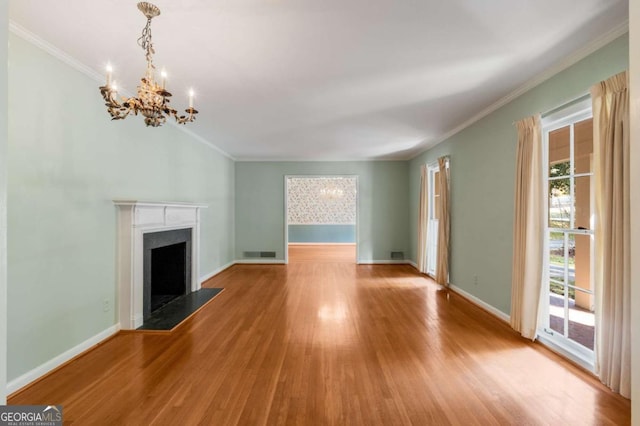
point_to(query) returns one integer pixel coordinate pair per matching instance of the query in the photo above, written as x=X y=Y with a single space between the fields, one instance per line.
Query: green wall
x=67 y=162
x=482 y=177
x=3 y=198
x=322 y=233
x=382 y=204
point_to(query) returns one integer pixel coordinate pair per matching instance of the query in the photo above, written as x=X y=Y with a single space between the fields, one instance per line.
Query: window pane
x=556 y=258
x=559 y=169
x=559 y=203
x=580 y=268
x=559 y=152
x=436 y=195
x=582 y=202
x=581 y=321
x=556 y=308
x=583 y=146
x=571 y=258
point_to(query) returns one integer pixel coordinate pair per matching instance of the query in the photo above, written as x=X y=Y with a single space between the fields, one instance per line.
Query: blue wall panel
x=322 y=233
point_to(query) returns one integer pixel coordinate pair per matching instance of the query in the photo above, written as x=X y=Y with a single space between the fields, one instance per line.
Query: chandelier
x=152 y=100
x=331 y=193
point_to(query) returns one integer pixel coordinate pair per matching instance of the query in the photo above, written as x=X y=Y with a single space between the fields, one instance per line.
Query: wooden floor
x=328 y=343
x=322 y=253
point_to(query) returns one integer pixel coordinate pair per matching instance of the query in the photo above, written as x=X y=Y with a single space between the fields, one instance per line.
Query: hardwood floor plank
x=328 y=342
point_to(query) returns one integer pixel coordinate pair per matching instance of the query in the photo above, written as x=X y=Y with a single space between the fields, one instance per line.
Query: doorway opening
x=321 y=218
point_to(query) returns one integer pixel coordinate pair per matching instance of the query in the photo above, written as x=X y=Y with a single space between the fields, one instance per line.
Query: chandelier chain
x=146 y=42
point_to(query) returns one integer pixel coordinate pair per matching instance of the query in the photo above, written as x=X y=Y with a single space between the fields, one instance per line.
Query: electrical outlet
x=106 y=305
x=475 y=280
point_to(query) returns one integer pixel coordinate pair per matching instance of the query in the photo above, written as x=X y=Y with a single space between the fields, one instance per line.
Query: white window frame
x=576 y=112
x=432 y=224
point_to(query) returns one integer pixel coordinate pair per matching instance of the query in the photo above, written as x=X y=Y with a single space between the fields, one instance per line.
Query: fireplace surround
x=137 y=221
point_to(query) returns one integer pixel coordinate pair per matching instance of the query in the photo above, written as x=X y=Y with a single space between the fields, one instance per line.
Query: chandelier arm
x=117 y=110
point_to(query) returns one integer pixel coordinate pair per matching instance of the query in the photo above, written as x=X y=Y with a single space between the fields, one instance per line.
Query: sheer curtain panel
x=528 y=229
x=612 y=227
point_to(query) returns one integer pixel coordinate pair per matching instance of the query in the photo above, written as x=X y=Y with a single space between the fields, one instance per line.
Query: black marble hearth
x=179 y=309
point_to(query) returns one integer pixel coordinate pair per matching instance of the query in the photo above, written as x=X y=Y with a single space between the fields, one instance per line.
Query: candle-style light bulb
x=114 y=90
x=109 y=71
x=191 y=98
x=163 y=73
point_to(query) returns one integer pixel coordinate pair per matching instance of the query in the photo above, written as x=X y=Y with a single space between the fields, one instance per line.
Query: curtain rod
x=562 y=106
x=566 y=104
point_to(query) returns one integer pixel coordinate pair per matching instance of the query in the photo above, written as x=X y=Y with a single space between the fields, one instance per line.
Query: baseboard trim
x=472 y=299
x=216 y=272
x=383 y=262
x=480 y=303
x=260 y=261
x=40 y=372
x=321 y=244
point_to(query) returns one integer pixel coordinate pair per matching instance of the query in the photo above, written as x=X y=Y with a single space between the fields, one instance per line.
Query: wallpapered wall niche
x=322 y=209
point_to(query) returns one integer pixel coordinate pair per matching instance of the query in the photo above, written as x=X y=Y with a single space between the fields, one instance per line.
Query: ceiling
x=328 y=79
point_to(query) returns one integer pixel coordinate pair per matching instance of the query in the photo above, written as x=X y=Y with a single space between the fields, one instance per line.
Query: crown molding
x=202 y=140
x=570 y=60
x=317 y=160
x=60 y=54
x=63 y=56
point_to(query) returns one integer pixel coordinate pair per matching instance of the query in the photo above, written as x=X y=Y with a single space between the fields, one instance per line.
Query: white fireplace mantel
x=136 y=218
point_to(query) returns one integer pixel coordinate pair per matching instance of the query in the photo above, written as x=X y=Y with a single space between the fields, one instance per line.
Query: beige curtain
x=528 y=229
x=423 y=220
x=442 y=264
x=612 y=267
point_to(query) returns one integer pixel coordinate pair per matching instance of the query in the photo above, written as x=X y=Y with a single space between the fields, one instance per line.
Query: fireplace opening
x=167 y=268
x=168 y=274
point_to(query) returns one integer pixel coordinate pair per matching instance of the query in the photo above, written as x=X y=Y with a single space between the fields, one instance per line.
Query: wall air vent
x=397 y=255
x=259 y=254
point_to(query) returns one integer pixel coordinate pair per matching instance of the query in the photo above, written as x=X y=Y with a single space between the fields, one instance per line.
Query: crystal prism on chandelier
x=152 y=100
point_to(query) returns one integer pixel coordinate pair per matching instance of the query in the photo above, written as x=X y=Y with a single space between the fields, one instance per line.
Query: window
x=567 y=302
x=432 y=225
